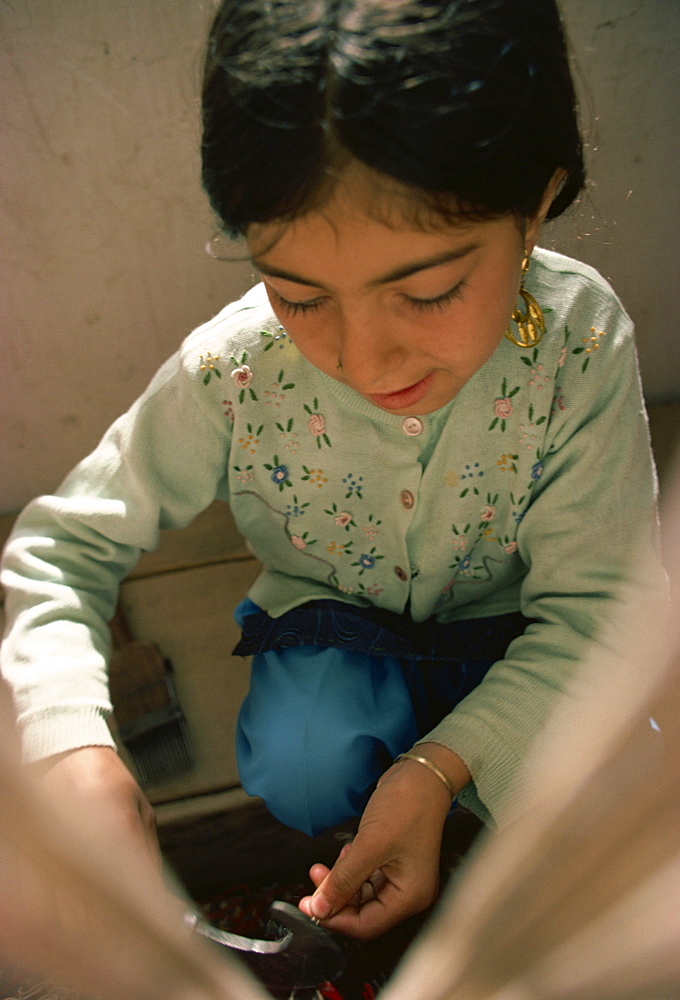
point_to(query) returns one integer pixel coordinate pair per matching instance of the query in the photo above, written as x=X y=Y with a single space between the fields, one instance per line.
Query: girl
x=430 y=432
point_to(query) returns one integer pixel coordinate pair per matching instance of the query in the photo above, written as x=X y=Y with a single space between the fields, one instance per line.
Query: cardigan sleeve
x=589 y=539
x=157 y=467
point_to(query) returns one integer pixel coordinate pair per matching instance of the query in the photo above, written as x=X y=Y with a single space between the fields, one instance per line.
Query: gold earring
x=530 y=323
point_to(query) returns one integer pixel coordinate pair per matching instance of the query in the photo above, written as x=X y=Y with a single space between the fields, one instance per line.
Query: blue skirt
x=337 y=691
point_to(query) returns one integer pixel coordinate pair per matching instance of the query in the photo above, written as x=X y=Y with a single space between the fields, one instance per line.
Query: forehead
x=372 y=202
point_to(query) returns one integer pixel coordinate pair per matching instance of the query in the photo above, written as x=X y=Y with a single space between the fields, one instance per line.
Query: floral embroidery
x=340 y=548
x=507 y=463
x=317 y=424
x=208 y=366
x=367 y=560
x=276 y=395
x=280 y=338
x=558 y=402
x=342 y=518
x=291 y=438
x=527 y=436
x=246 y=475
x=487 y=515
x=471 y=472
x=354 y=486
x=510 y=547
x=518 y=512
x=370 y=530
x=538 y=380
x=563 y=357
x=228 y=409
x=460 y=543
x=503 y=407
x=279 y=473
x=537 y=470
x=314 y=476
x=242 y=377
x=272 y=397
x=251 y=440
x=488 y=512
x=296 y=509
x=591 y=344
x=302 y=541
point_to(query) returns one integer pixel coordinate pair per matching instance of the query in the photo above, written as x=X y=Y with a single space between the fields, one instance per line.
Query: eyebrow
x=396 y=275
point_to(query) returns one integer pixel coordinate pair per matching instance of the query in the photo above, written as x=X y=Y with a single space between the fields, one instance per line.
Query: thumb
x=354 y=866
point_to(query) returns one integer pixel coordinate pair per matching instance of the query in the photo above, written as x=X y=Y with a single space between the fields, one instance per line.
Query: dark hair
x=469 y=102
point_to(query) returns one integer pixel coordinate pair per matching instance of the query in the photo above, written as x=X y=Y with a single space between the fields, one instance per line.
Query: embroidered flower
x=314 y=476
x=279 y=338
x=537 y=470
x=528 y=437
x=242 y=376
x=279 y=473
x=296 y=509
x=510 y=548
x=339 y=548
x=507 y=463
x=370 y=530
x=298 y=542
x=503 y=408
x=246 y=475
x=354 y=486
x=343 y=520
x=563 y=357
x=367 y=560
x=558 y=402
x=538 y=378
x=488 y=512
x=316 y=424
x=208 y=367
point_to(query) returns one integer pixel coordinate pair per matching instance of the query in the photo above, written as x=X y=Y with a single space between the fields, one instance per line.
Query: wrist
x=452 y=767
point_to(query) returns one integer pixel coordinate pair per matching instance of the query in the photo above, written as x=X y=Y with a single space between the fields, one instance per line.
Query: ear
x=534 y=222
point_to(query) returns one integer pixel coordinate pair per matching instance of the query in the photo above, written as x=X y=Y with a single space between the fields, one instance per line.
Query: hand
x=391 y=869
x=98 y=785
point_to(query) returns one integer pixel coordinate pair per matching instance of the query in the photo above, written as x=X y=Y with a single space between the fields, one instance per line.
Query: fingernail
x=320 y=906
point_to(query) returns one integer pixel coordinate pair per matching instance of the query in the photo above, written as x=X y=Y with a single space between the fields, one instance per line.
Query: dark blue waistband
x=378 y=632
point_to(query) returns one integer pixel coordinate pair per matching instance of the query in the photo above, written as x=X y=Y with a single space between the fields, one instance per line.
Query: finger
x=355 y=865
x=372 y=917
x=318 y=873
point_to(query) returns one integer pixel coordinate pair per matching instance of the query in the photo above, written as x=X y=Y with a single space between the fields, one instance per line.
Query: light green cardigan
x=532 y=489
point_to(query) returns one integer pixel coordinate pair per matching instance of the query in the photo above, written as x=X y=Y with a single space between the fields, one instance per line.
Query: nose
x=368 y=349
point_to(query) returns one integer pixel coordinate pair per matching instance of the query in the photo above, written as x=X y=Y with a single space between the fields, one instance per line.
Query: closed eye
x=438 y=302
x=296 y=308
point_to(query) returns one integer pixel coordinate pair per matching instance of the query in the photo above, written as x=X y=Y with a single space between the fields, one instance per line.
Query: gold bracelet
x=431 y=767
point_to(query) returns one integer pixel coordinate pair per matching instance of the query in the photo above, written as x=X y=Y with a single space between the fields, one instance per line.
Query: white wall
x=627 y=55
x=103 y=223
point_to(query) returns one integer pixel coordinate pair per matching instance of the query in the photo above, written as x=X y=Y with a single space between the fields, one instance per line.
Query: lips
x=403 y=398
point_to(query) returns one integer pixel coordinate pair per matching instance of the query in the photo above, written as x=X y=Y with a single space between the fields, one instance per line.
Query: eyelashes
x=439 y=302
x=419 y=305
x=296 y=308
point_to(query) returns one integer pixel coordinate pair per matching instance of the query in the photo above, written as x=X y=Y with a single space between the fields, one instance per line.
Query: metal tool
x=297 y=953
